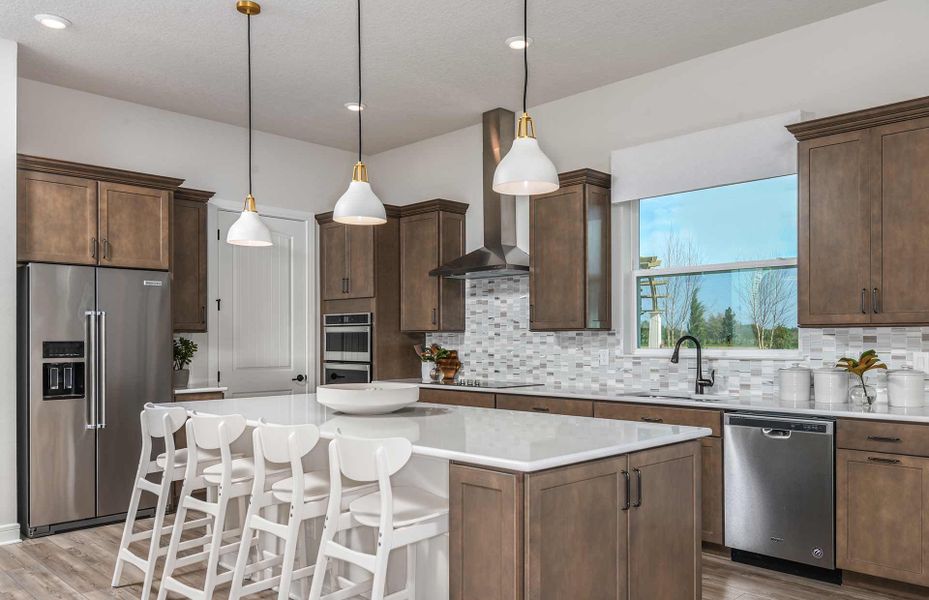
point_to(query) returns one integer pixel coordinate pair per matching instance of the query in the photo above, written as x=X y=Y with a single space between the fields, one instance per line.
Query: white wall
x=9 y=530
x=868 y=57
x=288 y=174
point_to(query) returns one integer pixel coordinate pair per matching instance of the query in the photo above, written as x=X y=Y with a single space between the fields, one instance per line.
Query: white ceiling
x=431 y=66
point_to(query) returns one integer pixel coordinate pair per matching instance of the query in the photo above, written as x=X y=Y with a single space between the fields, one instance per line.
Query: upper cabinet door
x=189 y=266
x=332 y=260
x=419 y=292
x=56 y=218
x=834 y=236
x=360 y=261
x=134 y=226
x=900 y=223
x=557 y=243
x=451 y=291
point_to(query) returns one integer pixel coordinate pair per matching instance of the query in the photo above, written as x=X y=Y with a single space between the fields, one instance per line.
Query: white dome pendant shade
x=359 y=205
x=525 y=170
x=249 y=229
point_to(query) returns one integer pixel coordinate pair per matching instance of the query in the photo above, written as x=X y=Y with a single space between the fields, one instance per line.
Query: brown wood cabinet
x=189 y=260
x=457 y=398
x=625 y=527
x=346 y=261
x=542 y=404
x=198 y=396
x=83 y=214
x=569 y=254
x=713 y=499
x=431 y=234
x=882 y=524
x=863 y=217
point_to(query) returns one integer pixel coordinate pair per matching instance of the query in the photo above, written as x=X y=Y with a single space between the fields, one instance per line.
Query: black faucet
x=701 y=384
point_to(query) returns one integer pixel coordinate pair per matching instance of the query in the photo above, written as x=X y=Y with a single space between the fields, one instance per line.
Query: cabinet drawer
x=693 y=417
x=478 y=399
x=874 y=436
x=198 y=396
x=558 y=406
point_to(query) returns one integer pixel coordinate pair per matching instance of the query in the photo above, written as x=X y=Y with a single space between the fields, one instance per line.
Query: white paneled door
x=262 y=333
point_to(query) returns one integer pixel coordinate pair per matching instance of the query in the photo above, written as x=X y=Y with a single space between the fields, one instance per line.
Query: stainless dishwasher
x=780 y=482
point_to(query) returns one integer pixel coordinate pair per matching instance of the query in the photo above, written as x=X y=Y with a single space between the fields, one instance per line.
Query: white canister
x=906 y=388
x=830 y=386
x=794 y=384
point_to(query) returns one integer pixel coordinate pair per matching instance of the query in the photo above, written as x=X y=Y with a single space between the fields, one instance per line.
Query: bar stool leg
x=290 y=555
x=216 y=543
x=155 y=541
x=241 y=561
x=411 y=572
x=127 y=532
x=180 y=516
x=379 y=583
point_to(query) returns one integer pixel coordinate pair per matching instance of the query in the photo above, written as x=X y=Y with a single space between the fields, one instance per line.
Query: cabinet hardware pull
x=653 y=419
x=348 y=285
x=540 y=409
x=106 y=249
x=864 y=293
x=874 y=301
x=93 y=247
x=638 y=488
x=886 y=461
x=203 y=313
x=627 y=485
x=881 y=438
x=433 y=316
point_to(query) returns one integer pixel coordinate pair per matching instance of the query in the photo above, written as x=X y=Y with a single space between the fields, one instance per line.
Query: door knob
x=299 y=378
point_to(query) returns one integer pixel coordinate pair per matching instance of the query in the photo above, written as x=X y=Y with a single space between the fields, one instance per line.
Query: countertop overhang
x=501 y=439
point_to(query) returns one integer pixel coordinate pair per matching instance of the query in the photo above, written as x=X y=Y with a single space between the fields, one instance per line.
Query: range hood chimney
x=499 y=257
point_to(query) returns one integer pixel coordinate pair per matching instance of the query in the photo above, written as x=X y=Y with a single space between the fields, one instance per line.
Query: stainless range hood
x=499 y=257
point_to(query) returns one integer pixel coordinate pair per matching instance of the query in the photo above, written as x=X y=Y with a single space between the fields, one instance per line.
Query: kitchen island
x=541 y=505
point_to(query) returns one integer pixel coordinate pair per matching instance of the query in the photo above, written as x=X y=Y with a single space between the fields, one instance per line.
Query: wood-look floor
x=79 y=565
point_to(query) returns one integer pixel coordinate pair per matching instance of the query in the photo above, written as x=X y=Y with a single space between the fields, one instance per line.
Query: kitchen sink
x=684 y=396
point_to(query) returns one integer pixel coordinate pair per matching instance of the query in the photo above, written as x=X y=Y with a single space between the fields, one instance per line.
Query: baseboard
x=9 y=534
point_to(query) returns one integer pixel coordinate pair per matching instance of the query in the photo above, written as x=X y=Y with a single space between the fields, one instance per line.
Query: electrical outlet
x=604 y=358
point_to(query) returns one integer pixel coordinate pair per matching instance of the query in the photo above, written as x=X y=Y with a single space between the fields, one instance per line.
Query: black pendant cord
x=249 y=29
x=359 y=81
x=525 y=51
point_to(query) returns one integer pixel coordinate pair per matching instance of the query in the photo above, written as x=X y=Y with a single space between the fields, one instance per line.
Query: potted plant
x=861 y=393
x=184 y=351
x=429 y=358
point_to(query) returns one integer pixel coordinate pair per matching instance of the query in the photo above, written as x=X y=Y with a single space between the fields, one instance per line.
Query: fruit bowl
x=375 y=398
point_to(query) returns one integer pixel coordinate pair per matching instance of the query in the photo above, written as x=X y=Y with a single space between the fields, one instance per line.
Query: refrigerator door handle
x=101 y=391
x=90 y=395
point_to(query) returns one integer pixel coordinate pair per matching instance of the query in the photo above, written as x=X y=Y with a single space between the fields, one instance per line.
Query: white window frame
x=627 y=216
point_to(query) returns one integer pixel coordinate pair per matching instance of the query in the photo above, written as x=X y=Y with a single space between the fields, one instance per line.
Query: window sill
x=716 y=353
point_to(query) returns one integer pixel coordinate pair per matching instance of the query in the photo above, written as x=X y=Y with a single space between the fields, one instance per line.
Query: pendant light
x=249 y=229
x=525 y=170
x=359 y=205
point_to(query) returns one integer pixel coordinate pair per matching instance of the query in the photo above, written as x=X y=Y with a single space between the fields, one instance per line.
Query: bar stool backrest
x=284 y=443
x=359 y=458
x=162 y=421
x=213 y=432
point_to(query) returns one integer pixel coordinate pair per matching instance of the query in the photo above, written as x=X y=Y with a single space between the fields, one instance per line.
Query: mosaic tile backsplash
x=497 y=344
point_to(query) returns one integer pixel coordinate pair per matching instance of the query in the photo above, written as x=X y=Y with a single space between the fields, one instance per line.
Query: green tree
x=696 y=323
x=727 y=327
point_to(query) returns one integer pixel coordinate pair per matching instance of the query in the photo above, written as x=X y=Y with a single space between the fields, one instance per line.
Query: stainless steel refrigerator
x=94 y=345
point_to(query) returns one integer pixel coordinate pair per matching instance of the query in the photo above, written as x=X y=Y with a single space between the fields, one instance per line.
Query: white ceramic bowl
x=375 y=398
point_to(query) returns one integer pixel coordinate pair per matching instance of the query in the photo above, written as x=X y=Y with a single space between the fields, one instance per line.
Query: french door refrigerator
x=94 y=345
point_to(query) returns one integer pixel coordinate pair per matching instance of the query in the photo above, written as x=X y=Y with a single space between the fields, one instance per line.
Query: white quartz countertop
x=518 y=441
x=881 y=412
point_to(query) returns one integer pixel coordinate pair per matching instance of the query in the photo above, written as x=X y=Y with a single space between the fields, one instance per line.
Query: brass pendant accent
x=360 y=172
x=524 y=127
x=250 y=204
x=248 y=7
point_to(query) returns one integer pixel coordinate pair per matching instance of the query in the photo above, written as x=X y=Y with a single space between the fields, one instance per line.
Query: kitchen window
x=719 y=264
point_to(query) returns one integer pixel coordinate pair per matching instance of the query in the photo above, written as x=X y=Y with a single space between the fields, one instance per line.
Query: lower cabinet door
x=664 y=523
x=882 y=521
x=576 y=532
x=712 y=512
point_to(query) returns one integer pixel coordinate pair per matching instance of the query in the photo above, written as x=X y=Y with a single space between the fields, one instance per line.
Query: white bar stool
x=208 y=434
x=403 y=516
x=162 y=423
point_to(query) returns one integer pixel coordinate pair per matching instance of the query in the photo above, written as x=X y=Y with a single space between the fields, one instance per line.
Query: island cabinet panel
x=576 y=532
x=432 y=233
x=134 y=226
x=56 y=218
x=189 y=260
x=664 y=523
x=882 y=523
x=863 y=218
x=457 y=398
x=569 y=254
x=485 y=534
x=346 y=261
x=543 y=404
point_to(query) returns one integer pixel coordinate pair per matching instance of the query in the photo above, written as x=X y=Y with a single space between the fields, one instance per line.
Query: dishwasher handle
x=775 y=434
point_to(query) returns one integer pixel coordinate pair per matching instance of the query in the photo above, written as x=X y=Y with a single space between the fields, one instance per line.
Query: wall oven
x=347 y=352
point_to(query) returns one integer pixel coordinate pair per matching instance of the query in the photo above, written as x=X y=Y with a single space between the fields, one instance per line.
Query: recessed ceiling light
x=354 y=106
x=52 y=21
x=518 y=42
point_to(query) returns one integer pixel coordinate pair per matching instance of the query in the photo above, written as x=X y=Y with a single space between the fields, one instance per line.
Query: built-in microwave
x=347 y=338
